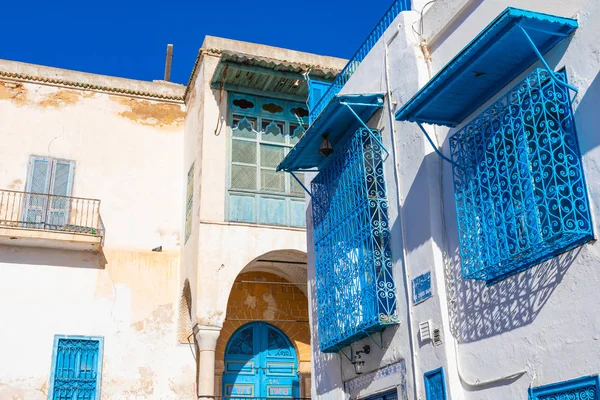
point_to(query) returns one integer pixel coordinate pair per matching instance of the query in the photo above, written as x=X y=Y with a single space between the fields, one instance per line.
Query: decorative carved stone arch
x=185 y=332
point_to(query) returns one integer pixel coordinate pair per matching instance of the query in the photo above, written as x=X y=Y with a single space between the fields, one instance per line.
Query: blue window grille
x=76 y=368
x=354 y=284
x=344 y=76
x=262 y=132
x=519 y=186
x=585 y=388
x=435 y=384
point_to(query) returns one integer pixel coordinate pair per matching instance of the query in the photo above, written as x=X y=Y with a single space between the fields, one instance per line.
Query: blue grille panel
x=585 y=388
x=518 y=181
x=354 y=283
x=76 y=369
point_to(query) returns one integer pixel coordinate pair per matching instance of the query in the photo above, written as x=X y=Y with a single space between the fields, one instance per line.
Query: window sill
x=25 y=237
x=253 y=225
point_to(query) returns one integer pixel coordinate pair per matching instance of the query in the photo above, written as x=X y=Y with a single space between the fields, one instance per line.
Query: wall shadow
x=478 y=311
x=51 y=257
x=586 y=118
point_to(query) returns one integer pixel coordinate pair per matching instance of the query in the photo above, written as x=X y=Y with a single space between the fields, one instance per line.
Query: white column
x=206 y=337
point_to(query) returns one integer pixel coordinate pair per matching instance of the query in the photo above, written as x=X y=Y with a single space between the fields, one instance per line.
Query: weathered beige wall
x=127 y=151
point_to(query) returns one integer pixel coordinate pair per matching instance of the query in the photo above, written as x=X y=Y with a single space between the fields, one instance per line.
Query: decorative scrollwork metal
x=519 y=186
x=242 y=343
x=354 y=283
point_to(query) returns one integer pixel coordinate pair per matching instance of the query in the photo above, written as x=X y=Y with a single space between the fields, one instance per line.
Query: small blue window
x=585 y=388
x=519 y=186
x=76 y=368
x=435 y=384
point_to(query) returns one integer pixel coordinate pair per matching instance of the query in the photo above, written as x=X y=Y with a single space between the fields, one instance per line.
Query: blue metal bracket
x=303 y=187
x=387 y=153
x=543 y=60
x=434 y=145
x=345 y=355
x=380 y=344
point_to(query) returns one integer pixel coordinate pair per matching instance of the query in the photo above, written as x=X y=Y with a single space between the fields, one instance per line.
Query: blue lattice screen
x=76 y=369
x=519 y=186
x=354 y=283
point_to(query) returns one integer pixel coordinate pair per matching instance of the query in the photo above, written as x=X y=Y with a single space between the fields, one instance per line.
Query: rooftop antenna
x=168 y=62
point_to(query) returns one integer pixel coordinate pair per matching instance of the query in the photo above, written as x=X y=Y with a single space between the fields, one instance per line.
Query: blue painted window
x=389 y=395
x=76 y=368
x=435 y=384
x=585 y=388
x=262 y=133
x=316 y=91
x=355 y=289
x=189 y=203
x=519 y=186
x=48 y=176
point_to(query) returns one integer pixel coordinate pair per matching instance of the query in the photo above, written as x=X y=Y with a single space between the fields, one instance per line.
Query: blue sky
x=128 y=38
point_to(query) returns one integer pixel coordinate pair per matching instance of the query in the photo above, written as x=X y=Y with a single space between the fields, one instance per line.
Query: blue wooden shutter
x=61 y=185
x=316 y=90
x=76 y=368
x=435 y=384
x=38 y=181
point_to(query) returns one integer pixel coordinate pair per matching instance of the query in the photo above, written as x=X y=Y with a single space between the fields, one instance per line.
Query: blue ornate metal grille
x=585 y=388
x=354 y=283
x=396 y=8
x=76 y=369
x=518 y=181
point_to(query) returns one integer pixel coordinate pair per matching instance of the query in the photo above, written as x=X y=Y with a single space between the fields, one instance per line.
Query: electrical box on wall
x=425 y=331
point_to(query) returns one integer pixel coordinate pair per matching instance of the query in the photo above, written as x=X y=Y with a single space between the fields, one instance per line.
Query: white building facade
x=144 y=232
x=454 y=205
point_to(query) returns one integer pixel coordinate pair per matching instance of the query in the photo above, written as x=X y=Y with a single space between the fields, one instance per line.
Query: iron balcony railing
x=396 y=8
x=50 y=212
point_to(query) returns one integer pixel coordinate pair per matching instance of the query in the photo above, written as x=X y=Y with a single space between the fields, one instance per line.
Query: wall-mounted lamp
x=326 y=149
x=357 y=360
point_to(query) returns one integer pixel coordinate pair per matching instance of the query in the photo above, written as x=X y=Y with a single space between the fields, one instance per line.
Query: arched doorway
x=260 y=361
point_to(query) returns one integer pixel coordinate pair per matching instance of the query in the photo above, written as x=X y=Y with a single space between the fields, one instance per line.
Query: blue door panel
x=260 y=361
x=435 y=384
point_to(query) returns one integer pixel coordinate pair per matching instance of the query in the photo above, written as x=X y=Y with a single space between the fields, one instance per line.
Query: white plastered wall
x=127 y=151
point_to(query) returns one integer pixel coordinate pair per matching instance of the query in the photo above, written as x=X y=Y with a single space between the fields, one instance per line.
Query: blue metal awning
x=503 y=50
x=344 y=114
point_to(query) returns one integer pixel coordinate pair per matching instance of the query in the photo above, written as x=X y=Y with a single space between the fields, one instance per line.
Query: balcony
x=50 y=221
x=344 y=76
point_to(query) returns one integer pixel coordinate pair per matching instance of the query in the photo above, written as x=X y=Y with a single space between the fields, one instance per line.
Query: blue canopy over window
x=339 y=120
x=502 y=51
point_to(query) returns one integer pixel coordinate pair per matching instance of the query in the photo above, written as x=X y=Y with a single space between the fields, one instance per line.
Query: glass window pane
x=295 y=188
x=273 y=131
x=296 y=132
x=243 y=177
x=243 y=151
x=271 y=156
x=272 y=181
x=244 y=127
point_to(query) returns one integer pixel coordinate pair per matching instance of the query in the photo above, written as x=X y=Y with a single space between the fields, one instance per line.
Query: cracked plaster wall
x=127 y=154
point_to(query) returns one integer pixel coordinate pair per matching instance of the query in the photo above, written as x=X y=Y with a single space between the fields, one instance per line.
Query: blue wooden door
x=435 y=384
x=260 y=361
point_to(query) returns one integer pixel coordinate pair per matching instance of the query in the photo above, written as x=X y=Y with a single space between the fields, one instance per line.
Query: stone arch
x=271 y=288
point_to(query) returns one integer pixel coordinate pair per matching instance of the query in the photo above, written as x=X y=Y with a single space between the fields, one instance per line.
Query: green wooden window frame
x=261 y=133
